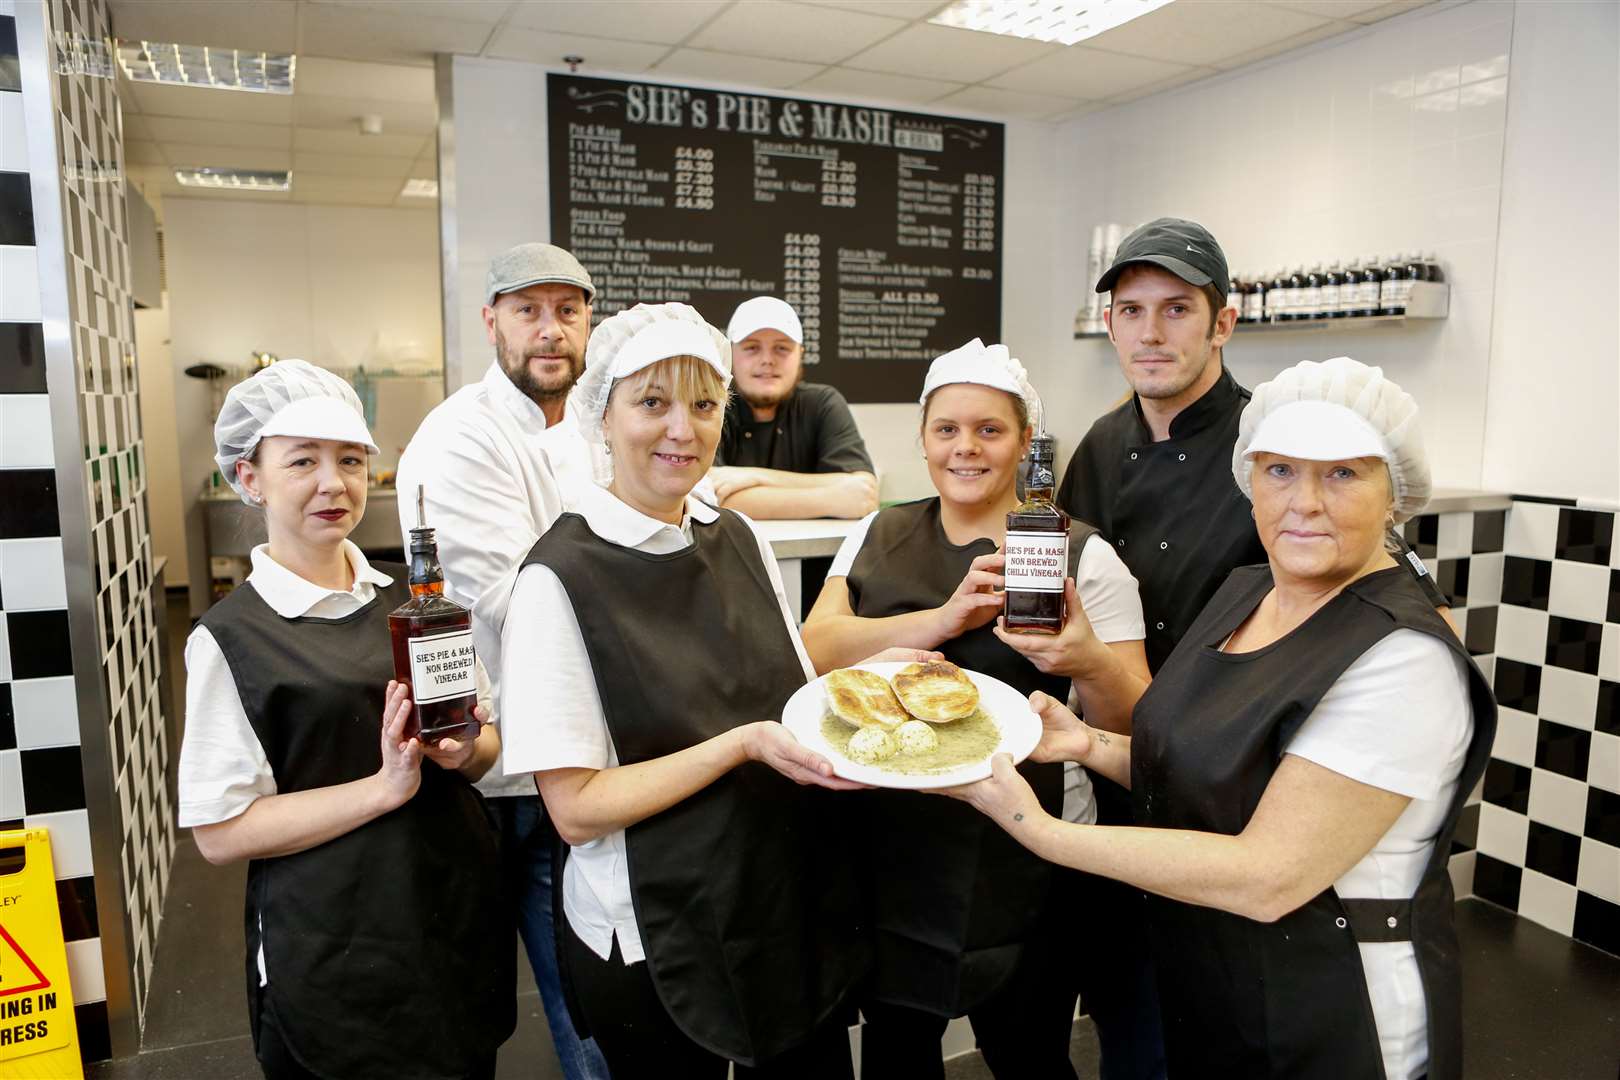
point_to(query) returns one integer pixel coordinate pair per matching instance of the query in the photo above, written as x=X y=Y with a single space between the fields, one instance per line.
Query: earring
x=607 y=448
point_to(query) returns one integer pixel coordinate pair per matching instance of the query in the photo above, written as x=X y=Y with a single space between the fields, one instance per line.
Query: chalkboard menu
x=881 y=228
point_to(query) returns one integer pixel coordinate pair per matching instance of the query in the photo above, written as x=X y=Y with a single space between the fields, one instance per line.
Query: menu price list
x=880 y=228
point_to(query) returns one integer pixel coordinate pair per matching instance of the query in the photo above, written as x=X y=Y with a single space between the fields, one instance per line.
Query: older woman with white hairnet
x=371 y=866
x=1297 y=766
x=647 y=655
x=963 y=915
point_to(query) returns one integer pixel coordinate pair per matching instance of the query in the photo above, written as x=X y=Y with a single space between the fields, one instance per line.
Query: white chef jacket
x=496 y=477
x=554 y=713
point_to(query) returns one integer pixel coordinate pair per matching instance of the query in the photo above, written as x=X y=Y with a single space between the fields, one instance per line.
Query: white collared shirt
x=554 y=714
x=223 y=767
x=496 y=477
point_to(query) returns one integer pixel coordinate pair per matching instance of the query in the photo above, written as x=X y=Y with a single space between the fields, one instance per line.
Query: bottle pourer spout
x=421 y=509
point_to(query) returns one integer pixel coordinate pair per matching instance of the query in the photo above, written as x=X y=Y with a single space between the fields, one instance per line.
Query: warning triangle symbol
x=14 y=979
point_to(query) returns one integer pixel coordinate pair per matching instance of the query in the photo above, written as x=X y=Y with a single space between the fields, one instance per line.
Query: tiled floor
x=1537 y=1005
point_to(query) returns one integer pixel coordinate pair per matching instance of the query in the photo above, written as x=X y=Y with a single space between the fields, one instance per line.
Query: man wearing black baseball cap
x=1155 y=475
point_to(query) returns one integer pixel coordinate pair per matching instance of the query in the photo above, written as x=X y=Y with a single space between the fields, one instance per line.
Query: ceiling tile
x=343 y=114
x=1088 y=74
x=601 y=54
x=384 y=33
x=794 y=31
x=137 y=152
x=945 y=52
x=425 y=167
x=488 y=12
x=874 y=84
x=1007 y=103
x=201 y=103
x=901 y=9
x=1180 y=79
x=732 y=68
x=267 y=25
x=1390 y=10
x=351 y=165
x=1085 y=108
x=344 y=190
x=664 y=21
x=1332 y=9
x=183 y=156
x=326 y=141
x=357 y=79
x=217 y=133
x=135 y=125
x=1202 y=33
x=1277 y=48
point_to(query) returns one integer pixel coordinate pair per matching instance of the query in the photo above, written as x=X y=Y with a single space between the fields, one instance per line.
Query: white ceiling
x=374 y=57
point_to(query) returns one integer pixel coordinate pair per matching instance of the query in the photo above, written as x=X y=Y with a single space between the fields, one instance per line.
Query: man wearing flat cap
x=789 y=449
x=497 y=460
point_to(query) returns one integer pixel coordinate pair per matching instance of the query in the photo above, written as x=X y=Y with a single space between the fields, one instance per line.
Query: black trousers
x=277 y=1061
x=640 y=1041
x=1023 y=1030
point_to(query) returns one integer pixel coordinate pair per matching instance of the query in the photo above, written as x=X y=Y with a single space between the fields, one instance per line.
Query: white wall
x=499 y=165
x=160 y=433
x=338 y=286
x=1555 y=362
x=1390 y=138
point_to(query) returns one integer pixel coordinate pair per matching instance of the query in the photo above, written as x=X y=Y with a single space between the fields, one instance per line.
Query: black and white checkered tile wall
x=42 y=781
x=1544 y=619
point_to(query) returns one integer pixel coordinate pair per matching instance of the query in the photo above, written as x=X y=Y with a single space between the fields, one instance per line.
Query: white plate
x=1020 y=732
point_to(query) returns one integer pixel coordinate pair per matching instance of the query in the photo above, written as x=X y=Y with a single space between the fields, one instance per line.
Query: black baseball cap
x=1185 y=248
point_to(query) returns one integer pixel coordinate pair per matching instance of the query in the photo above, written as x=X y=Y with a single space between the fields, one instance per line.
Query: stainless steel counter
x=1455 y=500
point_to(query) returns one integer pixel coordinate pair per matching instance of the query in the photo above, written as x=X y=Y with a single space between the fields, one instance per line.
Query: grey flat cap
x=535 y=264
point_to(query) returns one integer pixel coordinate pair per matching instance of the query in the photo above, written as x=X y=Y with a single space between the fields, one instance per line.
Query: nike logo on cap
x=1194 y=250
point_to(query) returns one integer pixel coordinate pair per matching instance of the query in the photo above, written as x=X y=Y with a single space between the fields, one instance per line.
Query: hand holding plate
x=1006 y=797
x=772 y=744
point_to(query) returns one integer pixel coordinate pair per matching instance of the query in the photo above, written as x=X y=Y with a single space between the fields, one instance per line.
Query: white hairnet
x=318 y=403
x=984 y=365
x=1373 y=408
x=645 y=324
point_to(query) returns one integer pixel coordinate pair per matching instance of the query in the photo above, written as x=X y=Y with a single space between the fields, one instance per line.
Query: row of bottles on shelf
x=1362 y=288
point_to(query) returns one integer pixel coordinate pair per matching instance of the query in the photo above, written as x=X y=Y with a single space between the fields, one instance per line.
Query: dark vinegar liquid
x=424 y=616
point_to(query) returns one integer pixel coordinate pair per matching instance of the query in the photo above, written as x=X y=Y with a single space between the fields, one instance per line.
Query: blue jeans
x=526 y=841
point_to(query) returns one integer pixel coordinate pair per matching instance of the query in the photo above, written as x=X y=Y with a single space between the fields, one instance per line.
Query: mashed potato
x=916 y=737
x=870 y=745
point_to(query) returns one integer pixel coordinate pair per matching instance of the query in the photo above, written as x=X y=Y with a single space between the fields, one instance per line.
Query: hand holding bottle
x=453 y=754
x=401 y=772
x=976 y=601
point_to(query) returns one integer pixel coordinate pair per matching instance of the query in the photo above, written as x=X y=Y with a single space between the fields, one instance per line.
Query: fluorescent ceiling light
x=235 y=179
x=1062 y=21
x=203 y=65
x=420 y=189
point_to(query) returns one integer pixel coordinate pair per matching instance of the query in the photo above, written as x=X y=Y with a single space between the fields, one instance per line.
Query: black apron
x=747 y=916
x=381 y=954
x=953 y=897
x=1286 y=999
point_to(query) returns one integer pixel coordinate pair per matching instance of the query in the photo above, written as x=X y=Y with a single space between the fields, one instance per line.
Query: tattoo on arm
x=1101 y=736
x=1018 y=816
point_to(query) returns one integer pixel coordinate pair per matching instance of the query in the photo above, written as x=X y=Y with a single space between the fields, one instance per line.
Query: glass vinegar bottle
x=1036 y=550
x=433 y=647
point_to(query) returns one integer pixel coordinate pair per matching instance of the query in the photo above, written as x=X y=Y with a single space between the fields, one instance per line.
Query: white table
x=794 y=541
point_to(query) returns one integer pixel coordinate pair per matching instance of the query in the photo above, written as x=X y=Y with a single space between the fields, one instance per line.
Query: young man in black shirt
x=789 y=449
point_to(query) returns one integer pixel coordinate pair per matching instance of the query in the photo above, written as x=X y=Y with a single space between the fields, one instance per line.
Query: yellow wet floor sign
x=38 y=1039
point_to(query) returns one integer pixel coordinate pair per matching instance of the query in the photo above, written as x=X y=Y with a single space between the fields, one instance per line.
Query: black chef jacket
x=813 y=432
x=1172 y=510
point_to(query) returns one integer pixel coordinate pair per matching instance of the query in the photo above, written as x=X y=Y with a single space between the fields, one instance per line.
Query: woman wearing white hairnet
x=961 y=914
x=372 y=872
x=1297 y=766
x=647 y=654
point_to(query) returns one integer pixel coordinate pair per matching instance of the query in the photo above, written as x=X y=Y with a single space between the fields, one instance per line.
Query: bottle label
x=1330 y=298
x=1368 y=297
x=1391 y=295
x=1254 y=307
x=1036 y=561
x=442 y=667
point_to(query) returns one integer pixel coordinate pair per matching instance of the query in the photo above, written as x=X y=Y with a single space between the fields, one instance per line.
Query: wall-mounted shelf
x=1430 y=300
